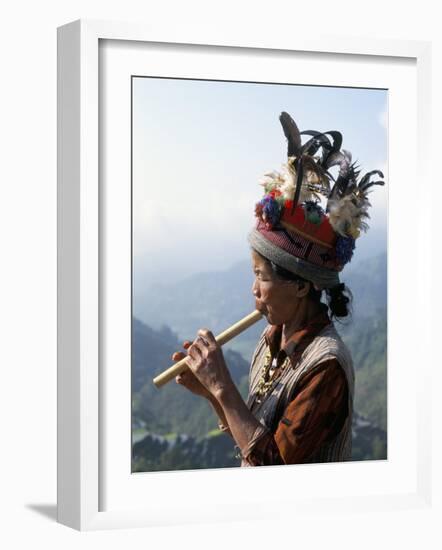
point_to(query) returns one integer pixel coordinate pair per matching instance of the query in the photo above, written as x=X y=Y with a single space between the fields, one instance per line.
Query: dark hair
x=338 y=298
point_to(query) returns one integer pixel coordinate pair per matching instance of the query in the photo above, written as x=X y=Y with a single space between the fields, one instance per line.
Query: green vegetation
x=367 y=341
x=183 y=453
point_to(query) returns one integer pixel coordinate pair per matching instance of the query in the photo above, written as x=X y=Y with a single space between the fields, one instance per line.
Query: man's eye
x=262 y=277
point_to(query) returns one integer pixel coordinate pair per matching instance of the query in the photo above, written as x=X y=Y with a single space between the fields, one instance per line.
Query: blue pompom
x=271 y=210
x=344 y=249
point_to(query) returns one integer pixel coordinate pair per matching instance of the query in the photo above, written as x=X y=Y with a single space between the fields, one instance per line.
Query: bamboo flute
x=223 y=338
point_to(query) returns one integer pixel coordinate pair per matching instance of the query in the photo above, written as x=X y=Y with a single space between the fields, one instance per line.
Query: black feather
x=368 y=185
x=299 y=177
x=334 y=159
x=329 y=149
x=292 y=134
x=318 y=140
x=329 y=156
x=338 y=189
x=337 y=139
x=346 y=182
x=365 y=181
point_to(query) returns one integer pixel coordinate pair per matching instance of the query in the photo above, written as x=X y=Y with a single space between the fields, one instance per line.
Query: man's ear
x=303 y=289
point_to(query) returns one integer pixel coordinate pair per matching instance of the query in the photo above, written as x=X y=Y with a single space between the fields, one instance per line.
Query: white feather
x=285 y=182
x=347 y=214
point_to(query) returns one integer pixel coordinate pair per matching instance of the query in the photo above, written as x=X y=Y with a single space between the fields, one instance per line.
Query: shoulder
x=328 y=344
x=328 y=352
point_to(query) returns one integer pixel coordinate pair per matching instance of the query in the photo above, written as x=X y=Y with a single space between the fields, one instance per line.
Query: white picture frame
x=80 y=274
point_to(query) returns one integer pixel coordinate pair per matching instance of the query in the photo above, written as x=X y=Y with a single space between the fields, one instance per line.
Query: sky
x=200 y=149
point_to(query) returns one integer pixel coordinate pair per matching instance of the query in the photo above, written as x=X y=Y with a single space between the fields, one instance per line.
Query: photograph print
x=264 y=201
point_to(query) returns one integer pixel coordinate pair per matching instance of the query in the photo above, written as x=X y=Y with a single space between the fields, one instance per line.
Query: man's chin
x=266 y=314
x=268 y=317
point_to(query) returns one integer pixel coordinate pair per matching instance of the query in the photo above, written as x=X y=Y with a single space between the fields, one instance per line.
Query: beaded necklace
x=267 y=379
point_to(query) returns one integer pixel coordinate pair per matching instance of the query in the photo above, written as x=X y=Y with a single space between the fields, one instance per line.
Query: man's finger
x=195 y=352
x=178 y=355
x=208 y=336
x=201 y=342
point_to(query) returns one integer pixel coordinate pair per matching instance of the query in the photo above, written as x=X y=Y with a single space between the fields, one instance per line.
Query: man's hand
x=206 y=361
x=187 y=378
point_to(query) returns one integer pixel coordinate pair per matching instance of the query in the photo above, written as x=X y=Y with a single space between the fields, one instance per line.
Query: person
x=301 y=382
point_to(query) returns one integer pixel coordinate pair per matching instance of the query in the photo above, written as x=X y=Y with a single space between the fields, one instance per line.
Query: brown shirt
x=317 y=411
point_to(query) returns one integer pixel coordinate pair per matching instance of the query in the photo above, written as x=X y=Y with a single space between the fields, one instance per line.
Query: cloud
x=383 y=118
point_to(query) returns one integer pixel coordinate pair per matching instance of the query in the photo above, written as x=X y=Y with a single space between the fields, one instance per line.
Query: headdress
x=293 y=229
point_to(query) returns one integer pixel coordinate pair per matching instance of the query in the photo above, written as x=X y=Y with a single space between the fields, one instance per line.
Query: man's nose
x=255 y=288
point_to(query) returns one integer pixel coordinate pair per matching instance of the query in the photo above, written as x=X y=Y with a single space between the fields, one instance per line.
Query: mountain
x=367 y=281
x=216 y=300
x=216 y=450
x=171 y=409
x=213 y=299
x=366 y=337
x=369 y=442
x=156 y=453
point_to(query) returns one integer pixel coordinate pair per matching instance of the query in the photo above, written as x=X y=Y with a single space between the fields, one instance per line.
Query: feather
x=368 y=185
x=348 y=204
x=346 y=180
x=299 y=177
x=306 y=176
x=365 y=182
x=272 y=180
x=321 y=140
x=329 y=157
x=292 y=134
x=318 y=140
x=345 y=164
x=310 y=179
x=315 y=177
x=284 y=182
x=337 y=140
x=345 y=217
x=334 y=159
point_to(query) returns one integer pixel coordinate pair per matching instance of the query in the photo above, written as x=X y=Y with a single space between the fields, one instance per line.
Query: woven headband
x=320 y=277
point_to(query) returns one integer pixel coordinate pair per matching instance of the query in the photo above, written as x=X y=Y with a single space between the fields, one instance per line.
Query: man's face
x=276 y=299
